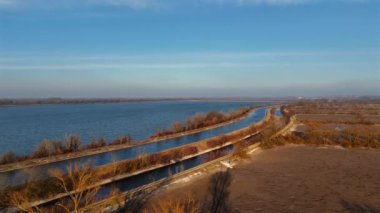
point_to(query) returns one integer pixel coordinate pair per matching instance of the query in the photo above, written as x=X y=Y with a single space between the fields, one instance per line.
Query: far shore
x=51 y=101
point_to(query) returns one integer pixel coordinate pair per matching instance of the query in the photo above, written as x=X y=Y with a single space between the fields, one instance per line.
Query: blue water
x=150 y=148
x=23 y=127
x=278 y=112
x=159 y=174
x=18 y=176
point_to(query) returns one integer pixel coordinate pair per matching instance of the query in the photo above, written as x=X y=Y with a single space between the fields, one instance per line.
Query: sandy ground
x=297 y=179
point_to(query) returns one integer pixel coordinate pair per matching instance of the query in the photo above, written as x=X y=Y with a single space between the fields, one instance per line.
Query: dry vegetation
x=77 y=181
x=202 y=120
x=350 y=124
x=352 y=137
x=295 y=179
x=72 y=143
x=215 y=201
x=80 y=182
x=326 y=106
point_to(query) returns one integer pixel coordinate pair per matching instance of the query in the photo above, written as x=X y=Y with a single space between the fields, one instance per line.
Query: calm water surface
x=39 y=172
x=23 y=127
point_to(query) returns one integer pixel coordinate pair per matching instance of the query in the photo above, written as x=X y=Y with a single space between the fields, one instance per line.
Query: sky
x=189 y=48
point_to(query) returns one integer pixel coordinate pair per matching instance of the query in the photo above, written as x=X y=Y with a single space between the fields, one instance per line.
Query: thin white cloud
x=6 y=3
x=149 y=4
x=135 y=4
x=280 y=2
x=128 y=66
x=260 y=2
x=186 y=56
x=79 y=4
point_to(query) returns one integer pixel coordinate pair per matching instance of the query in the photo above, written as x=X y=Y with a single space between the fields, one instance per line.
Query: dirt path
x=298 y=179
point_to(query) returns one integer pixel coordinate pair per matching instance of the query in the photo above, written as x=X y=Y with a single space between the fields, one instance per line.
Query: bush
x=122 y=140
x=165 y=158
x=7 y=157
x=48 y=148
x=201 y=120
x=190 y=150
x=96 y=143
x=219 y=141
x=72 y=143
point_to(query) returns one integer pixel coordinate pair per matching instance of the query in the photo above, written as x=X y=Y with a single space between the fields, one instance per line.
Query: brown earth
x=339 y=118
x=297 y=179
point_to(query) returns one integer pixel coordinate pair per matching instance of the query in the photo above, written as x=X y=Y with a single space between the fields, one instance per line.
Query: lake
x=19 y=176
x=23 y=127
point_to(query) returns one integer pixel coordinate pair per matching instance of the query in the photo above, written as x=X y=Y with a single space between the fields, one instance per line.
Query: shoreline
x=63 y=157
x=62 y=101
x=119 y=177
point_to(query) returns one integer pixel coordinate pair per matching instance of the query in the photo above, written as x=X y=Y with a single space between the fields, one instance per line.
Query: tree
x=7 y=157
x=177 y=127
x=79 y=183
x=72 y=143
x=21 y=201
x=48 y=148
x=218 y=193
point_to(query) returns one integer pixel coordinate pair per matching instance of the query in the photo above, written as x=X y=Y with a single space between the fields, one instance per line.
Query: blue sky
x=194 y=48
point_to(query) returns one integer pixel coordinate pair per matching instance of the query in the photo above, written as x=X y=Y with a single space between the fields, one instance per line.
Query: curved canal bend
x=20 y=176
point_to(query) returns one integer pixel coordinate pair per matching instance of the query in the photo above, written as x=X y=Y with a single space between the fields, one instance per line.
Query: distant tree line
x=80 y=100
x=202 y=120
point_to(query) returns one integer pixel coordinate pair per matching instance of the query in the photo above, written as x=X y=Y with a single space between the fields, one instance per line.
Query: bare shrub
x=48 y=148
x=78 y=182
x=72 y=143
x=19 y=200
x=96 y=143
x=201 y=120
x=8 y=157
x=189 y=150
x=218 y=141
x=122 y=140
x=184 y=205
